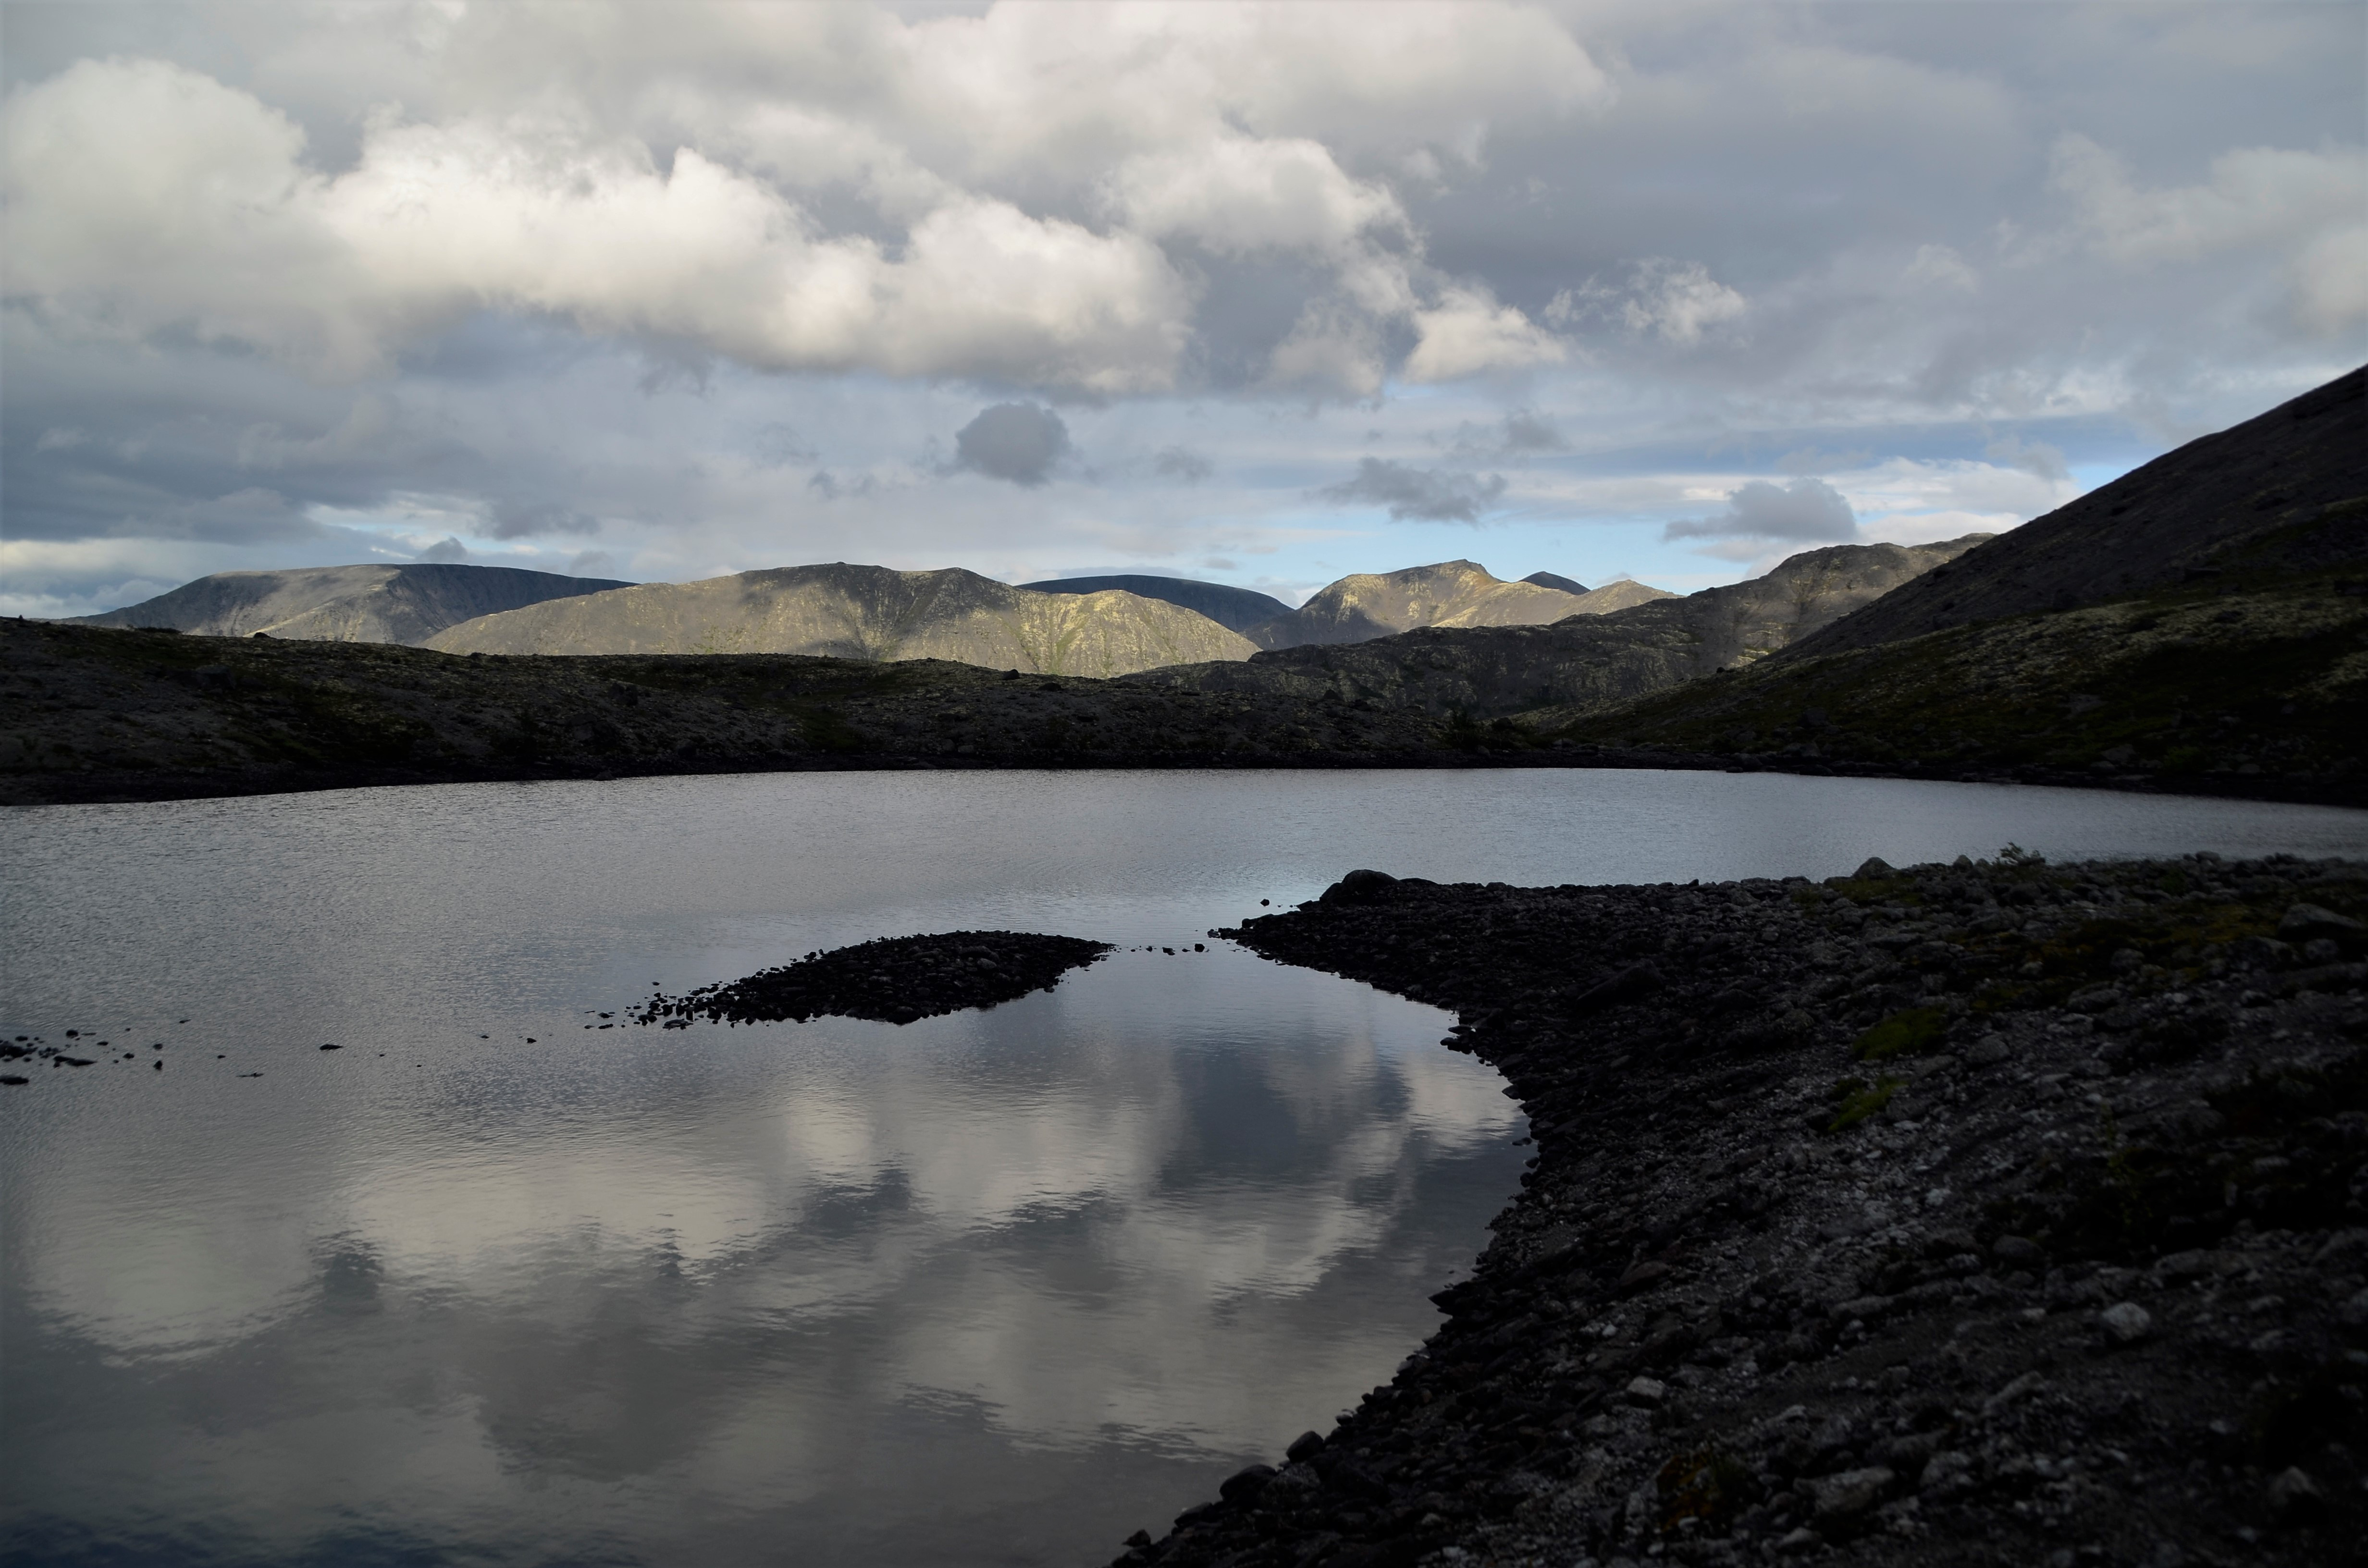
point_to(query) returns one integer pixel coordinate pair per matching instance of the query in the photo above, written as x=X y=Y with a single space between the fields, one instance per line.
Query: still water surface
x=989 y=1289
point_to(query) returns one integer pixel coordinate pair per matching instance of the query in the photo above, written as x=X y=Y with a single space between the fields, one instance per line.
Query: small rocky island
x=1993 y=1213
x=895 y=979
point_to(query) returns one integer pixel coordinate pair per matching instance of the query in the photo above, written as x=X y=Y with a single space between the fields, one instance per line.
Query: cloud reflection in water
x=1027 y=1278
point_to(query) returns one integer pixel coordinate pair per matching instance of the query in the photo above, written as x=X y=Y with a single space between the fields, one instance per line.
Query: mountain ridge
x=1583 y=661
x=406 y=603
x=1365 y=606
x=1235 y=609
x=842 y=611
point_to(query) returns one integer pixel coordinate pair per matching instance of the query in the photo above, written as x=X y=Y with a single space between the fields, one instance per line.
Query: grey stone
x=1947 y=1471
x=1852 y=1492
x=2303 y=921
x=2293 y=1493
x=2019 y=1252
x=2125 y=1323
x=1646 y=1392
x=1245 y=1483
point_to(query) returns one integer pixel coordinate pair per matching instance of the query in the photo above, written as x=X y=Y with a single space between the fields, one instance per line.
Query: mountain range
x=2201 y=625
x=863 y=612
x=1585 y=660
x=407 y=604
x=1093 y=626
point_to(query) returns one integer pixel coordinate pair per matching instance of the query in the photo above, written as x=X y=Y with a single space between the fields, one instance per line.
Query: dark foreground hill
x=88 y=714
x=1585 y=660
x=2191 y=687
x=863 y=612
x=2276 y=492
x=2242 y=653
x=1971 y=1215
x=1236 y=609
x=347 y=604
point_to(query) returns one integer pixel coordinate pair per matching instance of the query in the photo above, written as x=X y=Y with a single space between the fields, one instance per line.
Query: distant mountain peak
x=1556 y=579
x=1368 y=604
x=379 y=602
x=1236 y=609
x=843 y=610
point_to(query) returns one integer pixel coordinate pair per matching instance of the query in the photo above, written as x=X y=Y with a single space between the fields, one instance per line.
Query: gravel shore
x=1999 y=1212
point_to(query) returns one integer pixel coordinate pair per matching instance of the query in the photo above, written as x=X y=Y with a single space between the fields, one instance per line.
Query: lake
x=493 y=1284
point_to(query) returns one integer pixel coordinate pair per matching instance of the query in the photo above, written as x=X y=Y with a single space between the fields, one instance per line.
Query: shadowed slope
x=2297 y=472
x=347 y=604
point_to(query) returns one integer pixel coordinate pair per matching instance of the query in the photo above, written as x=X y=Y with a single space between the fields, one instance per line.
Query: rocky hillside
x=2260 y=676
x=1236 y=609
x=1362 y=607
x=1983 y=1213
x=1588 y=661
x=2281 y=490
x=348 y=604
x=89 y=714
x=864 y=612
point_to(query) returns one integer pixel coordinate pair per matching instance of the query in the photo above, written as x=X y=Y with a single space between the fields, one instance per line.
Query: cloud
x=1183 y=466
x=1676 y=301
x=2303 y=206
x=1469 y=332
x=715 y=276
x=1940 y=266
x=1017 y=442
x=1807 y=510
x=447 y=552
x=526 y=519
x=146 y=197
x=1413 y=494
x=989 y=198
x=1529 y=432
x=2033 y=456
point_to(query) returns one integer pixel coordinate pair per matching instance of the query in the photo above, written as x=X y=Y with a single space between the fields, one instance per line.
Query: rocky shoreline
x=894 y=980
x=1995 y=1213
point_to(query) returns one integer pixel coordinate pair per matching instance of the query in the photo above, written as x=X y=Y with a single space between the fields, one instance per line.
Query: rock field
x=1995 y=1213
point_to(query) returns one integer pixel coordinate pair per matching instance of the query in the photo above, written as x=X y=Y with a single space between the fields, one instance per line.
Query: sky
x=1263 y=295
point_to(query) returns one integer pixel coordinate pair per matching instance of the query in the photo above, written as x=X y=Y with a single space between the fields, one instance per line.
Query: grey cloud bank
x=1303 y=291
x=1413 y=492
x=1805 y=509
